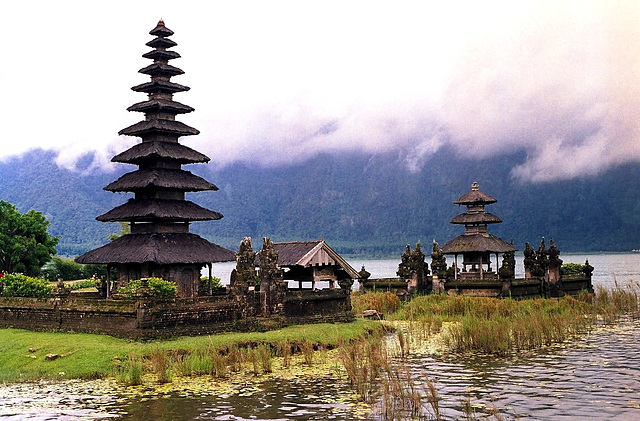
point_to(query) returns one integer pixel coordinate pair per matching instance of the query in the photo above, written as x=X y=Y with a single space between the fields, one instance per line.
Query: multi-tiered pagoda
x=160 y=244
x=476 y=245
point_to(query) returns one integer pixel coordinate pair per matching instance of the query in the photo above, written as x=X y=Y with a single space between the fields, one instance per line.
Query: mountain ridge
x=361 y=204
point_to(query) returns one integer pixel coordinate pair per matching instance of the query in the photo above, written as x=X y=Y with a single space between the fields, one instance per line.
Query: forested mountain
x=360 y=204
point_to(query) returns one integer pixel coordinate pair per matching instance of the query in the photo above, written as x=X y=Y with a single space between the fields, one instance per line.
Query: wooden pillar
x=210 y=278
x=455 y=266
x=108 y=280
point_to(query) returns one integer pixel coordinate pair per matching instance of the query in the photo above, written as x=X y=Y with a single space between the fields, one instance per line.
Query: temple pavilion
x=160 y=244
x=476 y=245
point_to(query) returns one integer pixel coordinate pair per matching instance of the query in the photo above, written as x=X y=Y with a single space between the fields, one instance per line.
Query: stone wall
x=149 y=317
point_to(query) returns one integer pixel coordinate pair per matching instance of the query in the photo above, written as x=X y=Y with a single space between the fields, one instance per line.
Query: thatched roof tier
x=161 y=69
x=160 y=85
x=476 y=218
x=161 y=55
x=160 y=30
x=475 y=197
x=161 y=249
x=159 y=209
x=161 y=42
x=160 y=178
x=159 y=125
x=161 y=105
x=477 y=243
x=152 y=150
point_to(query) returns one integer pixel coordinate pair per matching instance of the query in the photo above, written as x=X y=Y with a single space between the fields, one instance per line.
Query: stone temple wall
x=148 y=317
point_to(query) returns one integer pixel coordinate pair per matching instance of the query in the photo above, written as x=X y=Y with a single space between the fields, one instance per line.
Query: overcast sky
x=274 y=82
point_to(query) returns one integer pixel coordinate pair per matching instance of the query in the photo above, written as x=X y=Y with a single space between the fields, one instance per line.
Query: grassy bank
x=23 y=354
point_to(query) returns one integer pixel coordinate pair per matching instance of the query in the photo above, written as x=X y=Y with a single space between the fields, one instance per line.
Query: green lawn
x=95 y=356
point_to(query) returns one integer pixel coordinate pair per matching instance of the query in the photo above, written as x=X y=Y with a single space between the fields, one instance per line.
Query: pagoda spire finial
x=475 y=186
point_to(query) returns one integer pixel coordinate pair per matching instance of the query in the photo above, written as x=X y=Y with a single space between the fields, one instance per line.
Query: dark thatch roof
x=161 y=69
x=159 y=125
x=476 y=218
x=164 y=105
x=160 y=30
x=154 y=150
x=301 y=253
x=154 y=209
x=160 y=85
x=161 y=42
x=163 y=249
x=477 y=243
x=475 y=197
x=161 y=55
x=163 y=178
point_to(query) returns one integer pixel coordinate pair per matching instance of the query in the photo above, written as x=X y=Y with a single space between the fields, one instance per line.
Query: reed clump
x=386 y=382
x=130 y=371
x=383 y=302
x=161 y=365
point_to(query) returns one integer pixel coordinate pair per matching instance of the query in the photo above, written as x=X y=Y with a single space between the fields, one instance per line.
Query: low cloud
x=280 y=84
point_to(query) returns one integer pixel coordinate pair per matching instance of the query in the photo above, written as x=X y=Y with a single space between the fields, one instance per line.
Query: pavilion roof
x=164 y=105
x=145 y=151
x=476 y=218
x=483 y=242
x=160 y=85
x=159 y=209
x=302 y=253
x=163 y=249
x=161 y=42
x=161 y=55
x=160 y=30
x=159 y=125
x=475 y=197
x=163 y=178
x=163 y=69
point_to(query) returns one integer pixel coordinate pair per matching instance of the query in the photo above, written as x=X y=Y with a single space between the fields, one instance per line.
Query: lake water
x=595 y=376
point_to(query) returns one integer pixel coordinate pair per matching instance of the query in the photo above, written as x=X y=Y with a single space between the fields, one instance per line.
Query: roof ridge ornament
x=475 y=186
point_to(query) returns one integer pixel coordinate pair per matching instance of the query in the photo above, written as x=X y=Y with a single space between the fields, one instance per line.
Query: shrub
x=65 y=269
x=87 y=283
x=24 y=286
x=572 y=268
x=215 y=282
x=158 y=286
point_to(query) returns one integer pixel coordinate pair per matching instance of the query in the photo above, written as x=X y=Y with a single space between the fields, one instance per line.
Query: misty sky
x=275 y=82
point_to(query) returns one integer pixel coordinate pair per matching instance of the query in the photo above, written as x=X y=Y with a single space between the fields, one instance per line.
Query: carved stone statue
x=404 y=268
x=555 y=263
x=438 y=262
x=244 y=275
x=364 y=275
x=543 y=257
x=272 y=286
x=508 y=269
x=529 y=260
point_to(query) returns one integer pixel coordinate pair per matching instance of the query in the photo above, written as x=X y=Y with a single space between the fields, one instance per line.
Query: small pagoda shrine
x=476 y=245
x=159 y=244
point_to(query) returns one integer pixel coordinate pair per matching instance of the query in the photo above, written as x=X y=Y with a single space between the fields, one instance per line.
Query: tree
x=25 y=243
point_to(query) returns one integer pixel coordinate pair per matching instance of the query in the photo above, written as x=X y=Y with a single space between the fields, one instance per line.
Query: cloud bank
x=279 y=82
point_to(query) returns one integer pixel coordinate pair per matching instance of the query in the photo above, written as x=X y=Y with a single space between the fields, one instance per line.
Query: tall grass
x=383 y=302
x=501 y=326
